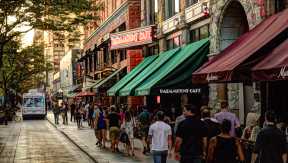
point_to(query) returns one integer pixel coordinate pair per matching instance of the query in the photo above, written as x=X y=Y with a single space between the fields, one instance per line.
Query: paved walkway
x=37 y=141
x=86 y=140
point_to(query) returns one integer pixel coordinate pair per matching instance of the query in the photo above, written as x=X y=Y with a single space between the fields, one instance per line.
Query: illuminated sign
x=135 y=37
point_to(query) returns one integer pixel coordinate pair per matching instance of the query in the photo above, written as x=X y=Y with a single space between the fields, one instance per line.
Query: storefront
x=165 y=79
x=272 y=73
x=233 y=64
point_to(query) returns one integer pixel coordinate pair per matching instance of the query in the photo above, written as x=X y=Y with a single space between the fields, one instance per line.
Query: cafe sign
x=283 y=72
x=135 y=37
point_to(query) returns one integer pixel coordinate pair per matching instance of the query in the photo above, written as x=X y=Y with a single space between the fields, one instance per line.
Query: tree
x=22 y=69
x=20 y=16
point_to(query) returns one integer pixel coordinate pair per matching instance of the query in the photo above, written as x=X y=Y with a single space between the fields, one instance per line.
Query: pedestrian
x=78 y=116
x=226 y=114
x=271 y=145
x=85 y=111
x=191 y=137
x=128 y=126
x=90 y=115
x=225 y=148
x=178 y=120
x=101 y=127
x=252 y=128
x=56 y=112
x=160 y=134
x=122 y=115
x=144 y=119
x=65 y=120
x=114 y=128
x=72 y=111
x=213 y=126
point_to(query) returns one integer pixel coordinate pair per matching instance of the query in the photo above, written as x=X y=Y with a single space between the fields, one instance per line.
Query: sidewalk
x=85 y=139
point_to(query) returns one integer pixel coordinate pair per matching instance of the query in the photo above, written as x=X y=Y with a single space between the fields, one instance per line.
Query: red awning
x=274 y=66
x=81 y=94
x=220 y=68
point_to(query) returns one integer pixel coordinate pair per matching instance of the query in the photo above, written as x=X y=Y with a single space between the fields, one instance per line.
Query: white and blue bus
x=34 y=105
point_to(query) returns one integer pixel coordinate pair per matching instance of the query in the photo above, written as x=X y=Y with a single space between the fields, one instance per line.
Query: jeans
x=185 y=159
x=160 y=156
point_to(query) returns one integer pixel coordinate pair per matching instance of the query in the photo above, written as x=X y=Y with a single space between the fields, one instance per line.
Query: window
x=191 y=2
x=199 y=33
x=153 y=10
x=122 y=54
x=172 y=7
x=279 y=5
x=113 y=5
x=113 y=56
x=174 y=42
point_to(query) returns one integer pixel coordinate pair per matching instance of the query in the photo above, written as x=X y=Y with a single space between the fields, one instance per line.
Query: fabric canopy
x=220 y=68
x=177 y=72
x=107 y=79
x=148 y=71
x=274 y=66
x=113 y=91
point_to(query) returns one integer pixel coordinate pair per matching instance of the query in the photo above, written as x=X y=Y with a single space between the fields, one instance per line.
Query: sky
x=27 y=38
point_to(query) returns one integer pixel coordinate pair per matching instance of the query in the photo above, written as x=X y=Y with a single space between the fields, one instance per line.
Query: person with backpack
x=144 y=118
x=224 y=147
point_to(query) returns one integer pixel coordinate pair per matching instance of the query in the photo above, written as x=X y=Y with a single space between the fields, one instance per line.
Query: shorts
x=114 y=133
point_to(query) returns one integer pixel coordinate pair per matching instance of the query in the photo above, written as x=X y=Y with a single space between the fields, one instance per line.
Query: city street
x=37 y=141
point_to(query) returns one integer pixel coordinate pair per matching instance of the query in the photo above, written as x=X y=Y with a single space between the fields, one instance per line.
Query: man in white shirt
x=161 y=135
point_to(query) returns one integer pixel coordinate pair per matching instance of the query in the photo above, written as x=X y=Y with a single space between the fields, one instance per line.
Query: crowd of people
x=195 y=136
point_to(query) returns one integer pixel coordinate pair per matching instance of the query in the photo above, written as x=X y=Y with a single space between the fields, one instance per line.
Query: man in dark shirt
x=72 y=111
x=114 y=125
x=270 y=144
x=191 y=137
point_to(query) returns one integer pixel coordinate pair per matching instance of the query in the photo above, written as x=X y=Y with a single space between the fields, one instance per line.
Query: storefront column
x=222 y=92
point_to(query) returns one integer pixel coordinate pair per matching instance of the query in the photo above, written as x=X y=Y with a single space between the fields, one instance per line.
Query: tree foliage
x=22 y=69
x=20 y=16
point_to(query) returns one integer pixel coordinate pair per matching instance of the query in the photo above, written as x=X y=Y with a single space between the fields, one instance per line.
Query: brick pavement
x=85 y=139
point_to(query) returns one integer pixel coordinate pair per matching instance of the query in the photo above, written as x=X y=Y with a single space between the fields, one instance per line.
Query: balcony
x=171 y=23
x=197 y=11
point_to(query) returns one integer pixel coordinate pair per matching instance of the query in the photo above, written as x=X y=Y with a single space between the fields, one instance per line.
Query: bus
x=34 y=105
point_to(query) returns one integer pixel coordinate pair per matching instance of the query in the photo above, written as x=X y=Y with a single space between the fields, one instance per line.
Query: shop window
x=106 y=56
x=172 y=7
x=122 y=55
x=191 y=2
x=174 y=42
x=199 y=33
x=279 y=5
x=113 y=57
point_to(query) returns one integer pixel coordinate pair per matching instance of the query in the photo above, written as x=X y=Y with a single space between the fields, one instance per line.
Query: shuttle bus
x=34 y=105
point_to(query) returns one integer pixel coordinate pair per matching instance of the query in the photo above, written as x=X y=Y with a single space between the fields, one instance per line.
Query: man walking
x=56 y=112
x=225 y=114
x=72 y=111
x=270 y=144
x=144 y=118
x=191 y=137
x=161 y=135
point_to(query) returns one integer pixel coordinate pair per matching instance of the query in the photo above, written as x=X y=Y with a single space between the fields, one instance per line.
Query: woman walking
x=101 y=127
x=127 y=126
x=225 y=148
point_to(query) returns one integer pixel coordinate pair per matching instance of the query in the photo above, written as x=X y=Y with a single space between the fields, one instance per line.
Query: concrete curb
x=72 y=141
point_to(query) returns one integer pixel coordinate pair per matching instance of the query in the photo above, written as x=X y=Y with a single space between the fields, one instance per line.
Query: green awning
x=96 y=86
x=148 y=71
x=177 y=72
x=113 y=91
